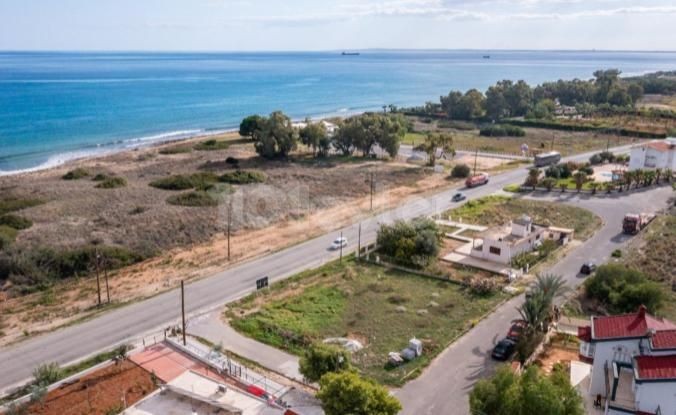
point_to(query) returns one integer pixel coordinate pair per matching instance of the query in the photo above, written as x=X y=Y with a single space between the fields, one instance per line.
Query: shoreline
x=143 y=143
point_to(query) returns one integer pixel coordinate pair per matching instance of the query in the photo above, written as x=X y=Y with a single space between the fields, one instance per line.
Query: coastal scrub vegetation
x=196 y=198
x=38 y=268
x=76 y=174
x=12 y=204
x=201 y=181
x=212 y=145
x=180 y=149
x=243 y=177
x=112 y=183
x=320 y=359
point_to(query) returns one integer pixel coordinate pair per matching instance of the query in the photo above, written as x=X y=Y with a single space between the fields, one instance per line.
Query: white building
x=659 y=154
x=633 y=358
x=521 y=235
x=330 y=127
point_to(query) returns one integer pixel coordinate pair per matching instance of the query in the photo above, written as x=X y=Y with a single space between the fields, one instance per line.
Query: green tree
x=533 y=177
x=519 y=97
x=315 y=136
x=624 y=290
x=507 y=393
x=320 y=359
x=345 y=393
x=433 y=142
x=249 y=125
x=496 y=104
x=549 y=183
x=460 y=171
x=411 y=243
x=275 y=136
x=635 y=91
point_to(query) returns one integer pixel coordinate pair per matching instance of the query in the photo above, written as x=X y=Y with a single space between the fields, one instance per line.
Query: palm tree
x=649 y=177
x=549 y=183
x=537 y=308
x=580 y=177
x=638 y=177
x=658 y=175
x=594 y=187
x=668 y=174
x=551 y=286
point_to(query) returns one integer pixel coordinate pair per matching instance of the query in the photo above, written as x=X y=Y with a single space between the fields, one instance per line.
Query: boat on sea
x=350 y=53
x=487 y=56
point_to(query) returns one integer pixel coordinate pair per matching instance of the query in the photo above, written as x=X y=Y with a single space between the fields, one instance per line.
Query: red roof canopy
x=638 y=324
x=665 y=339
x=659 y=145
x=656 y=367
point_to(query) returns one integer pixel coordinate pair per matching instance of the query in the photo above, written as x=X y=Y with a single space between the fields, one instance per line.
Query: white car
x=339 y=242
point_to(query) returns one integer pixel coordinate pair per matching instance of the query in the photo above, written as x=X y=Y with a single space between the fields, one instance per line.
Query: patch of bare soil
x=301 y=199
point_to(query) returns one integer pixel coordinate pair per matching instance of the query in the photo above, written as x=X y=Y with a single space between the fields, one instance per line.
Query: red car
x=517 y=329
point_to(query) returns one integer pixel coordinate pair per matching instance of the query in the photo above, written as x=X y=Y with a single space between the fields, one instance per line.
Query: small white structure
x=502 y=244
x=659 y=154
x=331 y=128
x=633 y=358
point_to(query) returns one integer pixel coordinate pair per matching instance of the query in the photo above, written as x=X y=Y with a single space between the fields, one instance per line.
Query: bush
x=7 y=236
x=502 y=131
x=595 y=159
x=588 y=170
x=460 y=171
x=243 y=177
x=75 y=174
x=320 y=359
x=212 y=145
x=232 y=161
x=347 y=393
x=12 y=204
x=46 y=374
x=624 y=290
x=616 y=254
x=16 y=222
x=112 y=183
x=481 y=287
x=411 y=243
x=198 y=198
x=100 y=177
x=201 y=181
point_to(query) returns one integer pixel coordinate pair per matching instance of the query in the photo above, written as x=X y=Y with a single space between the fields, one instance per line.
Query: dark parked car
x=503 y=350
x=458 y=197
x=587 y=268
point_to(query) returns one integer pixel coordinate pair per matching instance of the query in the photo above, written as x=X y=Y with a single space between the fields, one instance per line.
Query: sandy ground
x=300 y=200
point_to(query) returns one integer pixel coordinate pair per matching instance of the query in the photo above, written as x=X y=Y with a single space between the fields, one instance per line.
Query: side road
x=131 y=321
x=445 y=386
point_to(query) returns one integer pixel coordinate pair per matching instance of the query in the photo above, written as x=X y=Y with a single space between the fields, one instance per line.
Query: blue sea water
x=57 y=106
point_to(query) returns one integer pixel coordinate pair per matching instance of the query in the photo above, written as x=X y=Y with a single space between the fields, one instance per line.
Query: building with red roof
x=633 y=358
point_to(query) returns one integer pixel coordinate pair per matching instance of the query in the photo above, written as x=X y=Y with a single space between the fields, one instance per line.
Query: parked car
x=503 y=350
x=458 y=197
x=587 y=268
x=338 y=243
x=516 y=330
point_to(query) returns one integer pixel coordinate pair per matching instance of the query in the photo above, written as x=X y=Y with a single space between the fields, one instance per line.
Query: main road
x=126 y=323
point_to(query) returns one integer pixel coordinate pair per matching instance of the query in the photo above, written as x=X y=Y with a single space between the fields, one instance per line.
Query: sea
x=55 y=107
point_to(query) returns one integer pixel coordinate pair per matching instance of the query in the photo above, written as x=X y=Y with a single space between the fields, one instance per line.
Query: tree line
x=275 y=136
x=606 y=91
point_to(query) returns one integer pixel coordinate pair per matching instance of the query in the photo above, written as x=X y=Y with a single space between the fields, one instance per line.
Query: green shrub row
x=211 y=145
x=554 y=125
x=205 y=180
x=112 y=183
x=12 y=204
x=76 y=174
x=502 y=131
x=243 y=177
x=196 y=198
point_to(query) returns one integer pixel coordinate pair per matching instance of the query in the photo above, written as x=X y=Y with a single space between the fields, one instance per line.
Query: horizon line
x=186 y=51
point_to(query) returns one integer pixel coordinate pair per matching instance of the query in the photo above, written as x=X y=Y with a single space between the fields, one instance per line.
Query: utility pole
x=98 y=279
x=373 y=187
x=341 y=247
x=105 y=276
x=183 y=312
x=229 y=225
x=476 y=156
x=552 y=144
x=359 y=242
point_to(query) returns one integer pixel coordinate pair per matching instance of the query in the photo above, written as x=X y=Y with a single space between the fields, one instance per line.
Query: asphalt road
x=129 y=322
x=443 y=388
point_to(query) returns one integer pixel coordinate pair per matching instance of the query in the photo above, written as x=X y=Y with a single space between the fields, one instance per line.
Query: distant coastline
x=56 y=107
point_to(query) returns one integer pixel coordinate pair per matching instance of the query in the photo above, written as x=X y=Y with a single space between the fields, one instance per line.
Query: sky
x=290 y=25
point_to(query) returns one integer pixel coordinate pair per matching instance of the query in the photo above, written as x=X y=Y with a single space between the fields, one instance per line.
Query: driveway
x=444 y=386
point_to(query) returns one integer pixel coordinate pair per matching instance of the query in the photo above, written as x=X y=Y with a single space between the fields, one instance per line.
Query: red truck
x=634 y=222
x=477 y=180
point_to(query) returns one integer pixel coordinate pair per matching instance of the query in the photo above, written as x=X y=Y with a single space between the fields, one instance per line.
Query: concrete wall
x=606 y=352
x=649 y=158
x=651 y=394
